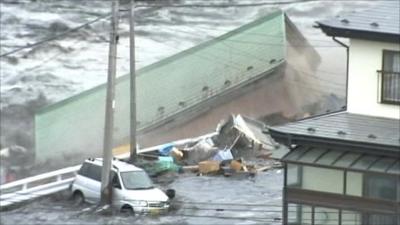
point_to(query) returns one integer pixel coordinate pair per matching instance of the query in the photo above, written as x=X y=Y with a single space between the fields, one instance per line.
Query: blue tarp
x=166 y=149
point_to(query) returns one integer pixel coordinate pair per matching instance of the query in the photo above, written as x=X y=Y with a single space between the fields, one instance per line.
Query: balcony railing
x=389 y=87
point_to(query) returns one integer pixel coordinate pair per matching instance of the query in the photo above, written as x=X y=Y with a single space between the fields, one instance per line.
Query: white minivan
x=133 y=190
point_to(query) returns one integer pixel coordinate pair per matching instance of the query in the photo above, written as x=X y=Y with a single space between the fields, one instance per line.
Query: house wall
x=365 y=58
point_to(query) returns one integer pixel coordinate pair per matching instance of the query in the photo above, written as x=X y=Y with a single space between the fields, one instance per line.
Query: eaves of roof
x=379 y=23
x=343 y=130
x=358 y=34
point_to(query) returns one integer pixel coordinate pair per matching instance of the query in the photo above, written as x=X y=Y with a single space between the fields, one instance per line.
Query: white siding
x=363 y=97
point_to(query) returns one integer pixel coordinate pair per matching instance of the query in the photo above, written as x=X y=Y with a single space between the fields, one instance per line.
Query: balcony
x=389 y=87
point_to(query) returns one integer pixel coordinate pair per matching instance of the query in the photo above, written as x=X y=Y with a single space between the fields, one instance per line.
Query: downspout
x=285 y=204
x=347 y=67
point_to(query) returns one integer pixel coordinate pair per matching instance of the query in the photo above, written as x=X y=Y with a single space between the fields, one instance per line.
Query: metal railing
x=36 y=186
x=59 y=180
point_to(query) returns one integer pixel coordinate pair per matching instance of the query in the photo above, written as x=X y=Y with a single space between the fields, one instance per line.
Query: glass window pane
x=293 y=214
x=382 y=219
x=382 y=164
x=326 y=216
x=351 y=218
x=329 y=157
x=346 y=160
x=293 y=175
x=379 y=186
x=321 y=179
x=299 y=214
x=354 y=184
x=311 y=155
x=306 y=215
x=84 y=169
x=364 y=162
x=391 y=76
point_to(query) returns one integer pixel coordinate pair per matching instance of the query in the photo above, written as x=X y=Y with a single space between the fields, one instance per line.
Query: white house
x=344 y=168
x=374 y=59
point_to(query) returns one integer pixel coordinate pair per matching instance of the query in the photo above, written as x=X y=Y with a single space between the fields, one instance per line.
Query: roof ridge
x=166 y=60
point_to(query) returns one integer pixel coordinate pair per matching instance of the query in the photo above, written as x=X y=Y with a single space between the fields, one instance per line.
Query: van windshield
x=136 y=180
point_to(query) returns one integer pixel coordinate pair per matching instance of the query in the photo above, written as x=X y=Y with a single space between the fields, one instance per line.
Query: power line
x=199 y=5
x=174 y=5
x=63 y=34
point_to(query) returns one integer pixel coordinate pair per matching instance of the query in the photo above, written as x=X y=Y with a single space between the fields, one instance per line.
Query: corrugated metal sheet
x=165 y=88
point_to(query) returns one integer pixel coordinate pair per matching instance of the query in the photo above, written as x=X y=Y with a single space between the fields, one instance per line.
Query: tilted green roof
x=163 y=88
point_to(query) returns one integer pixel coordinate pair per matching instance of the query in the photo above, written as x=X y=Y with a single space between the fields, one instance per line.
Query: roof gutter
x=347 y=67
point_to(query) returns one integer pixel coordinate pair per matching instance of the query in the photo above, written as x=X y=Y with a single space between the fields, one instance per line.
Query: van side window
x=90 y=171
x=95 y=172
x=115 y=180
x=84 y=169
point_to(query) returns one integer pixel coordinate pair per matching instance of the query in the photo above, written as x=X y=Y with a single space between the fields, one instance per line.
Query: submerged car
x=133 y=190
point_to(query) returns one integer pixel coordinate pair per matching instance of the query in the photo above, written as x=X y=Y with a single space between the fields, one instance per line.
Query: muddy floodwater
x=204 y=200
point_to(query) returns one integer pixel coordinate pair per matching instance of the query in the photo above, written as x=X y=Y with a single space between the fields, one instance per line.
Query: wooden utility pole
x=132 y=82
x=110 y=106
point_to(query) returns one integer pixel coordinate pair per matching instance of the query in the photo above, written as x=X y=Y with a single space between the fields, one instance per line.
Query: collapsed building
x=261 y=69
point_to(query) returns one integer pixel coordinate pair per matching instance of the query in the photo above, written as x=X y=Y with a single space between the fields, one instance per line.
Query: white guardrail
x=49 y=183
x=36 y=186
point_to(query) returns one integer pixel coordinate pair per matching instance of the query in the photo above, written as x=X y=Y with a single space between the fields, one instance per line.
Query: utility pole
x=110 y=106
x=132 y=82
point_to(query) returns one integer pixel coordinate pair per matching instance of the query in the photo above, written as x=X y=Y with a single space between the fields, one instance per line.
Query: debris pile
x=238 y=147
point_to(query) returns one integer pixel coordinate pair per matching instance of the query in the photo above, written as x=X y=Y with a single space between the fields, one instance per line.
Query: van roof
x=116 y=164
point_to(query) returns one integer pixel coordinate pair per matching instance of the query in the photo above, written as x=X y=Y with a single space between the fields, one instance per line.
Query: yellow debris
x=121 y=149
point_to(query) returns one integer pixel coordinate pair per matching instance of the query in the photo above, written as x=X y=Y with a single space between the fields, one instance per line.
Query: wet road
x=200 y=200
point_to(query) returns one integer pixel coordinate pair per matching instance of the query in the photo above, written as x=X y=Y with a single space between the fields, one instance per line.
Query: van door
x=93 y=184
x=117 y=194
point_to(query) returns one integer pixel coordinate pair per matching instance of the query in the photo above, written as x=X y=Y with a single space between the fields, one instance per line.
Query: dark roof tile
x=384 y=19
x=347 y=127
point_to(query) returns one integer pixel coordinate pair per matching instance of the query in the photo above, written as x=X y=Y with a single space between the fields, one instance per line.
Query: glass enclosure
x=321 y=179
x=299 y=214
x=302 y=214
x=354 y=184
x=369 y=185
x=326 y=216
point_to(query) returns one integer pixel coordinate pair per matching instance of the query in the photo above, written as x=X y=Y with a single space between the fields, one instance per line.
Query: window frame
x=381 y=74
x=367 y=177
x=364 y=174
x=364 y=215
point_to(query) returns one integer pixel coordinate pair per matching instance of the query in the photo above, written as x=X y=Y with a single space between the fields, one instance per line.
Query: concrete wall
x=363 y=93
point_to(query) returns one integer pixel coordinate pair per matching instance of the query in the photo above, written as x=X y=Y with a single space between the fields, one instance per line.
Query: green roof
x=164 y=88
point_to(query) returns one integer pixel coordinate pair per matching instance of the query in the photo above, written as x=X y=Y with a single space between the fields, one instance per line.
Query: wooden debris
x=206 y=167
x=177 y=154
x=194 y=168
x=236 y=165
x=264 y=168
